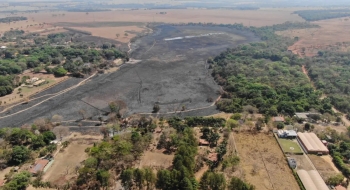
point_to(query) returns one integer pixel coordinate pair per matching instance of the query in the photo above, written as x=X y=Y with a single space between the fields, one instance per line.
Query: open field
x=63 y=168
x=171 y=72
x=111 y=32
x=328 y=36
x=324 y=166
x=248 y=17
x=290 y=146
x=263 y=162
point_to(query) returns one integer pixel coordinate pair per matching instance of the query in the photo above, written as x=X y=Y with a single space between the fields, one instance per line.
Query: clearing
x=263 y=162
x=66 y=160
x=331 y=35
x=290 y=146
x=324 y=166
x=29 y=91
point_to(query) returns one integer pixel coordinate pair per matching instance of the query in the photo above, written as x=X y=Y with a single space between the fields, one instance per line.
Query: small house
x=291 y=134
x=339 y=187
x=203 y=142
x=213 y=157
x=39 y=166
x=278 y=119
x=3 y=47
x=292 y=163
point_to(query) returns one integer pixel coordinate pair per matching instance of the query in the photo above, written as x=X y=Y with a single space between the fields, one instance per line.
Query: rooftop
x=339 y=187
x=278 y=119
x=39 y=166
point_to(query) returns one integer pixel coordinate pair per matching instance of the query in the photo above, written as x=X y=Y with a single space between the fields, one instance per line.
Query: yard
x=64 y=167
x=262 y=162
x=290 y=146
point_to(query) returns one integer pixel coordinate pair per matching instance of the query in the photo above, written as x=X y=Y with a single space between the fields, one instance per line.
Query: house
x=203 y=142
x=292 y=163
x=3 y=47
x=39 y=82
x=287 y=134
x=32 y=80
x=213 y=157
x=39 y=166
x=278 y=119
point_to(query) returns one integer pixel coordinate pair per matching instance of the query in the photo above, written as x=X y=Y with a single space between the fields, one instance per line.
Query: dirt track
x=171 y=73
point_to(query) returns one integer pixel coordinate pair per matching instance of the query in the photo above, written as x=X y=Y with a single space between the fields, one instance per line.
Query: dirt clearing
x=323 y=166
x=121 y=34
x=331 y=35
x=63 y=168
x=263 y=162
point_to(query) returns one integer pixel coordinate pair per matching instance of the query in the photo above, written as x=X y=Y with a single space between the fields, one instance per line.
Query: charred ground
x=171 y=73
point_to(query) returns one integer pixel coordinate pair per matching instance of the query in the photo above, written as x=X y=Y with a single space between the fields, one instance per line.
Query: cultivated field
x=248 y=17
x=331 y=35
x=263 y=162
x=63 y=168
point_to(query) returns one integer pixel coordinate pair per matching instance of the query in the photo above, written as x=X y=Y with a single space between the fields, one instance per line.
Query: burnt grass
x=171 y=74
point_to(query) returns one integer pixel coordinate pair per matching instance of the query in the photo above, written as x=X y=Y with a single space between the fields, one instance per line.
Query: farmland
x=330 y=36
x=248 y=17
x=67 y=159
x=263 y=162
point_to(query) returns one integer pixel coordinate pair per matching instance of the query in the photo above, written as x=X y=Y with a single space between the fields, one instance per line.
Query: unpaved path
x=54 y=95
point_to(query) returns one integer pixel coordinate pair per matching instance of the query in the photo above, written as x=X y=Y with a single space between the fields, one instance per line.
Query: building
x=39 y=82
x=312 y=180
x=3 y=47
x=287 y=134
x=203 y=142
x=213 y=157
x=292 y=163
x=311 y=143
x=278 y=119
x=39 y=166
x=339 y=187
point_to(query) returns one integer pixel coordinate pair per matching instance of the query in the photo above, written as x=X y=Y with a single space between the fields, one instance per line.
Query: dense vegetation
x=78 y=59
x=341 y=156
x=12 y=19
x=314 y=15
x=266 y=75
x=331 y=73
x=21 y=142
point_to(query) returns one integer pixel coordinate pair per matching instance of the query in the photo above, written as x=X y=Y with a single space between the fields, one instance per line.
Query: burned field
x=171 y=71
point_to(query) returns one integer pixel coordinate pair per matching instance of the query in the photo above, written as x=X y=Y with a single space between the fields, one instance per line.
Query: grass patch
x=290 y=146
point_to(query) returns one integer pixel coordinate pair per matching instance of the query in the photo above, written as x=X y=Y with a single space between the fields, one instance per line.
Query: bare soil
x=263 y=162
x=63 y=168
x=260 y=17
x=324 y=166
x=330 y=36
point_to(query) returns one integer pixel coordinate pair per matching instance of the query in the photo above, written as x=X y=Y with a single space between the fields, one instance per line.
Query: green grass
x=287 y=144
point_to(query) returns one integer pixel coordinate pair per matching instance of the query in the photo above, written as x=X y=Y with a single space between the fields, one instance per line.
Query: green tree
x=280 y=125
x=59 y=71
x=19 y=155
x=48 y=136
x=238 y=184
x=127 y=177
x=335 y=180
x=103 y=177
x=19 y=181
x=212 y=181
x=150 y=178
x=232 y=123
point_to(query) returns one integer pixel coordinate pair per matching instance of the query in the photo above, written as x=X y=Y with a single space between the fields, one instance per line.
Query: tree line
x=314 y=15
